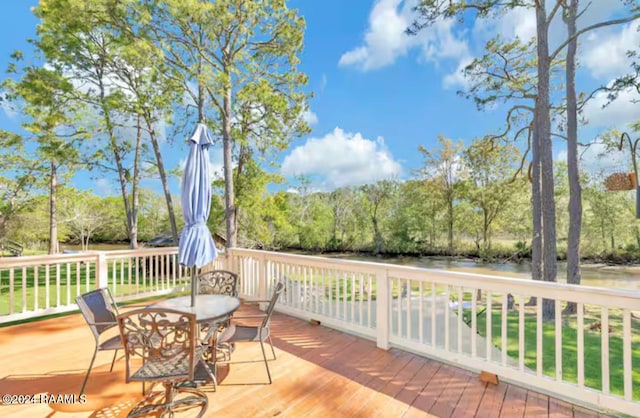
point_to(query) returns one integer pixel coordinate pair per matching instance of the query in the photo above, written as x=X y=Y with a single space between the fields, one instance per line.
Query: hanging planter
x=620 y=182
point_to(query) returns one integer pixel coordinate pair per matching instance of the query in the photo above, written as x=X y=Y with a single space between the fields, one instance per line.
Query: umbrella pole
x=194 y=287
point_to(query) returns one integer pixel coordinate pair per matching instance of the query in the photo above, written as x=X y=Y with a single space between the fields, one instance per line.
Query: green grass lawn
x=592 y=347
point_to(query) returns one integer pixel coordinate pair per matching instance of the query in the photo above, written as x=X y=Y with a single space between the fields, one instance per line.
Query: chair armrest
x=102 y=323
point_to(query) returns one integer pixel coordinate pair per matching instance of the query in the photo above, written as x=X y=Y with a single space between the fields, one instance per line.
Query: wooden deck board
x=318 y=372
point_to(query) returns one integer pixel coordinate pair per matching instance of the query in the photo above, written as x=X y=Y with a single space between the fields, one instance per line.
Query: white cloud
x=385 y=39
x=618 y=114
x=342 y=159
x=457 y=77
x=606 y=54
x=519 y=22
x=310 y=117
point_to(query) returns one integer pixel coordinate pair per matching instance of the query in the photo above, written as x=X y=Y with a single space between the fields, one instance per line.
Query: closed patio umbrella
x=196 y=247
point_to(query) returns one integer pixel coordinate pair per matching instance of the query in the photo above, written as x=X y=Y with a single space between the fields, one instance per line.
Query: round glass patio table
x=208 y=307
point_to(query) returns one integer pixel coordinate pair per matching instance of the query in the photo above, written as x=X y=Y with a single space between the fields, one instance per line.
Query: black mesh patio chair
x=100 y=311
x=167 y=342
x=236 y=333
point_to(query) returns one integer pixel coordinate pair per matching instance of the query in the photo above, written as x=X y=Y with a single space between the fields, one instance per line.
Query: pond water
x=599 y=275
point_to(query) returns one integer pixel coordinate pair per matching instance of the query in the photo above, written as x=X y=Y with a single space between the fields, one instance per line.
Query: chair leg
x=266 y=363
x=272 y=350
x=114 y=360
x=95 y=352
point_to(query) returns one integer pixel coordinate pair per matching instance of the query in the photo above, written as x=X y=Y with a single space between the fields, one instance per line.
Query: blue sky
x=379 y=94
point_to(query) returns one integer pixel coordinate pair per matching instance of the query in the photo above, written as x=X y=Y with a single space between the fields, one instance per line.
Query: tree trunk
x=121 y=171
x=53 y=221
x=163 y=178
x=229 y=195
x=135 y=190
x=543 y=137
x=377 y=236
x=450 y=226
x=575 y=191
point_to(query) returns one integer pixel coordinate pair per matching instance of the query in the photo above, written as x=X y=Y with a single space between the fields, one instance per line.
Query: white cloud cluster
x=617 y=114
x=342 y=159
x=606 y=54
x=385 y=39
x=603 y=53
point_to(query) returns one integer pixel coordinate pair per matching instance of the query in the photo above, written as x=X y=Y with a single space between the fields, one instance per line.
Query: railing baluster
x=408 y=307
x=580 y=343
x=11 y=293
x=433 y=314
x=474 y=324
x=420 y=312
x=58 y=290
x=604 y=342
x=24 y=289
x=344 y=296
x=503 y=329
x=369 y=300
x=47 y=277
x=88 y=275
x=398 y=282
x=447 y=317
x=539 y=340
x=558 y=338
x=36 y=288
x=626 y=355
x=521 y=327
x=489 y=326
x=114 y=281
x=68 y=283
x=459 y=321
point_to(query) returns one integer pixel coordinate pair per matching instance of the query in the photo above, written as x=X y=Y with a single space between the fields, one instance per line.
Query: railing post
x=382 y=309
x=102 y=270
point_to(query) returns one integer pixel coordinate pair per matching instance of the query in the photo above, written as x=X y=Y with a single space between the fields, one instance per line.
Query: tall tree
x=490 y=168
x=377 y=196
x=46 y=101
x=242 y=58
x=18 y=178
x=75 y=40
x=443 y=167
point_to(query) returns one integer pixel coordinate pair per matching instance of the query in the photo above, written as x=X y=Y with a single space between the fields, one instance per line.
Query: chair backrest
x=98 y=309
x=162 y=338
x=277 y=290
x=218 y=282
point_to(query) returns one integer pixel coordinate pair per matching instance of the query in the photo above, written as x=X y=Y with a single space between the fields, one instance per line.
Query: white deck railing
x=34 y=286
x=478 y=322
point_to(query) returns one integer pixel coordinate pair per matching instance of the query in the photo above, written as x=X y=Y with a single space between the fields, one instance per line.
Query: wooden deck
x=319 y=372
